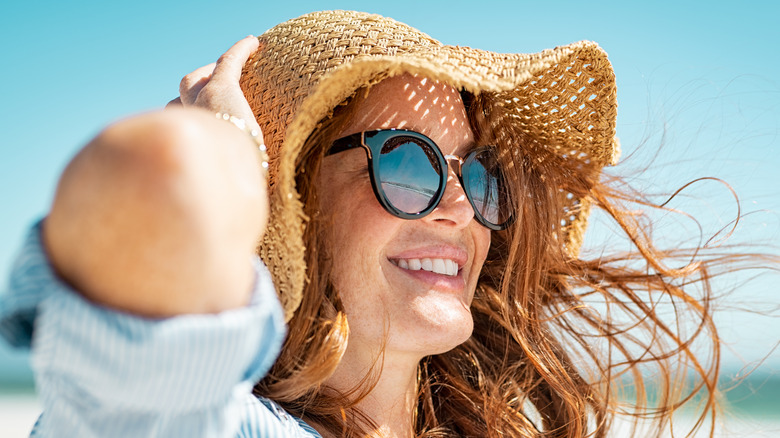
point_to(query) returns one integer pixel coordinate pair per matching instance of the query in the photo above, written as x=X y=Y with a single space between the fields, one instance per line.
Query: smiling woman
x=425 y=208
x=422 y=312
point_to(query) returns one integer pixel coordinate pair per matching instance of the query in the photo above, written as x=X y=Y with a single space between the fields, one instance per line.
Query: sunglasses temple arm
x=344 y=144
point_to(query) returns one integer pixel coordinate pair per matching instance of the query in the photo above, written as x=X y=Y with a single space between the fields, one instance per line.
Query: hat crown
x=295 y=55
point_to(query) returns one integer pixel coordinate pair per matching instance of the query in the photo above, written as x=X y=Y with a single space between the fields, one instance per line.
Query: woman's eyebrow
x=471 y=144
x=464 y=149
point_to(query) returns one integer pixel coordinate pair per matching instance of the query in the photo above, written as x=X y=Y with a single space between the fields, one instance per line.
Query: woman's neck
x=392 y=379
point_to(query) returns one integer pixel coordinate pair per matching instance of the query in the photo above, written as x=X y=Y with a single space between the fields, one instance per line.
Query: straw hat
x=562 y=100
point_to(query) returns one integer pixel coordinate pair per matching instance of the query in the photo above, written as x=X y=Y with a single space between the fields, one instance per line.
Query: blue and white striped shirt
x=100 y=372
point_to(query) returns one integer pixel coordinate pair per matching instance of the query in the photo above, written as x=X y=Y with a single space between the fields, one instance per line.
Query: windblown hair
x=561 y=345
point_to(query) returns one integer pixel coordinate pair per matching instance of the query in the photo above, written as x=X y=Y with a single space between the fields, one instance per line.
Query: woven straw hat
x=562 y=100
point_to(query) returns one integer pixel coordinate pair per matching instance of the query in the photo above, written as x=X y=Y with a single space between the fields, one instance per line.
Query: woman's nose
x=454 y=207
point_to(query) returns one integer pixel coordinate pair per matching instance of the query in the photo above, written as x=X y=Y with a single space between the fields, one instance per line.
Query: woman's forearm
x=159 y=214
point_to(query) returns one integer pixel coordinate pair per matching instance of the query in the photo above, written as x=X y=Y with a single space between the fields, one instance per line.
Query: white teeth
x=438 y=266
x=452 y=267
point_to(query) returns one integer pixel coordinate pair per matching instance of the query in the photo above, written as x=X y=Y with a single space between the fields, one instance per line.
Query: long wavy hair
x=561 y=345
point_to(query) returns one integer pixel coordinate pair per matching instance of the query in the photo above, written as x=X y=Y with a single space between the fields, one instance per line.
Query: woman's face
x=417 y=312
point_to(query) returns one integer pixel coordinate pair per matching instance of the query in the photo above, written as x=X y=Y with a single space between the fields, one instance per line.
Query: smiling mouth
x=437 y=266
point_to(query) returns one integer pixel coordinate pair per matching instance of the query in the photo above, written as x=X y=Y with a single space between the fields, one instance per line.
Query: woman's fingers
x=229 y=65
x=215 y=87
x=174 y=102
x=221 y=75
x=192 y=84
x=223 y=93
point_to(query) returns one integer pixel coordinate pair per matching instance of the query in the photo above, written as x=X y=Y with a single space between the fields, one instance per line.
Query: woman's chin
x=436 y=328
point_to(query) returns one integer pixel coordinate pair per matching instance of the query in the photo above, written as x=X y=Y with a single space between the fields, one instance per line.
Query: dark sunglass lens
x=485 y=186
x=409 y=173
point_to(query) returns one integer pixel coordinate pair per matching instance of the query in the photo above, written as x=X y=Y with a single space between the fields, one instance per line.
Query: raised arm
x=159 y=214
x=159 y=318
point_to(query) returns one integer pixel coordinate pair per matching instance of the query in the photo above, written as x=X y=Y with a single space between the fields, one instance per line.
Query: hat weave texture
x=561 y=100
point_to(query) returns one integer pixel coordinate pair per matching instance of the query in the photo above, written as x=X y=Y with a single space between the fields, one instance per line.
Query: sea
x=754 y=412
x=751 y=404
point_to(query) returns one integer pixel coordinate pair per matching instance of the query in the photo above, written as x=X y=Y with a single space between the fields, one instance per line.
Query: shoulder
x=265 y=418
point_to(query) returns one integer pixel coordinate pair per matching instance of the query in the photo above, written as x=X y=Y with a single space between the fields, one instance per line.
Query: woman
x=427 y=205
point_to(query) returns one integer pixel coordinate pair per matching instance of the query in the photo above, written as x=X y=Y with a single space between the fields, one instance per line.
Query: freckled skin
x=382 y=302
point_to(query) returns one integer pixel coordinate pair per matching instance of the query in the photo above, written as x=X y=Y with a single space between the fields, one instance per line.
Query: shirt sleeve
x=100 y=372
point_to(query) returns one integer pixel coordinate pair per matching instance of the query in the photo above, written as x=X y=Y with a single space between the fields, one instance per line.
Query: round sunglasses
x=408 y=173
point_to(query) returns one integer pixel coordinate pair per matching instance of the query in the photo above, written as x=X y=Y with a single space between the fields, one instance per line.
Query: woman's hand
x=215 y=86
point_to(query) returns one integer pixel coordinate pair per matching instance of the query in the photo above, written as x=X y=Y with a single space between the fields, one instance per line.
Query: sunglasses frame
x=373 y=141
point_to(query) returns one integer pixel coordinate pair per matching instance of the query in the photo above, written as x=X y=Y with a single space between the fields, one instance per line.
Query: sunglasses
x=408 y=173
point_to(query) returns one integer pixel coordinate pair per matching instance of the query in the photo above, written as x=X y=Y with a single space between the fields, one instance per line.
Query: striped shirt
x=100 y=372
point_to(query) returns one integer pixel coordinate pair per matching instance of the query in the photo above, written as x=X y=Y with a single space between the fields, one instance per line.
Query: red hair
x=558 y=342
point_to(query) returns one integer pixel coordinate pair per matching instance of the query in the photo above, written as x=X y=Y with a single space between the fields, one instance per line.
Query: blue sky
x=695 y=87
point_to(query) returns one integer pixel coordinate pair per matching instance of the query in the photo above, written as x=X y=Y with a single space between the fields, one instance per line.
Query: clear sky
x=696 y=84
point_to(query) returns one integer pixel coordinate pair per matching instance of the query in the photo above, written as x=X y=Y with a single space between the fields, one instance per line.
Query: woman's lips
x=437 y=281
x=438 y=266
x=448 y=278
